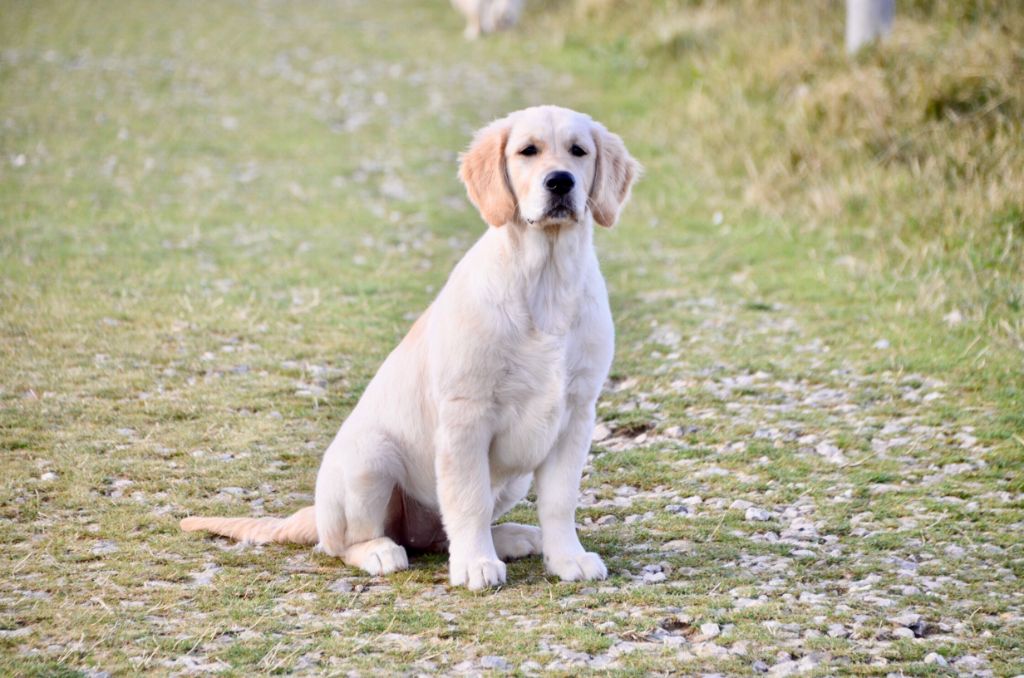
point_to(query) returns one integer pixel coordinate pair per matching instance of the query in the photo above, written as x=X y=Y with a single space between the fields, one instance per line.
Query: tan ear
x=482 y=170
x=613 y=177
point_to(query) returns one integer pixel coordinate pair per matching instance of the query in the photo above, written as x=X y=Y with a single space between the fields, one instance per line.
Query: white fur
x=488 y=16
x=495 y=385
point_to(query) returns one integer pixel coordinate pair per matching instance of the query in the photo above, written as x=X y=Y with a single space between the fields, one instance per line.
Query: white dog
x=494 y=386
x=488 y=16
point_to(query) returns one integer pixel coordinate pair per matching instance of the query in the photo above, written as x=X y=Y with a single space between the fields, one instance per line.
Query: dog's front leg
x=464 y=491
x=558 y=485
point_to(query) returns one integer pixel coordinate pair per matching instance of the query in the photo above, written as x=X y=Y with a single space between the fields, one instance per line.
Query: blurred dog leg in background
x=488 y=16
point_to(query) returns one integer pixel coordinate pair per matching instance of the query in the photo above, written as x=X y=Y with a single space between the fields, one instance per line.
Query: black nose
x=559 y=183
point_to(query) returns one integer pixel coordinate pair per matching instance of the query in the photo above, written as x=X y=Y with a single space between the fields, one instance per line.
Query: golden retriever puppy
x=495 y=385
x=488 y=16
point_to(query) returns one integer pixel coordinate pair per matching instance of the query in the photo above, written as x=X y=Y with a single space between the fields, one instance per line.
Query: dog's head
x=547 y=166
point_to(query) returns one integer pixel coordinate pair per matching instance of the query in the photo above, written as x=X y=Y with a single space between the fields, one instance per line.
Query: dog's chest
x=531 y=401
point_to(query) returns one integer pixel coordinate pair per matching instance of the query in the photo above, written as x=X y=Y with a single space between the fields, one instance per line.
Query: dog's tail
x=299 y=528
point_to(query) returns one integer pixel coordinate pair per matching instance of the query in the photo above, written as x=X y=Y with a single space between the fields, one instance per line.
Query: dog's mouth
x=562 y=210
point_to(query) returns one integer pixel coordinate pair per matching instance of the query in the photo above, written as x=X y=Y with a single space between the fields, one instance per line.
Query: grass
x=217 y=219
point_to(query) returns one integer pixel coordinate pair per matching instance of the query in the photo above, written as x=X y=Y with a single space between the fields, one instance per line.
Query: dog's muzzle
x=560 y=185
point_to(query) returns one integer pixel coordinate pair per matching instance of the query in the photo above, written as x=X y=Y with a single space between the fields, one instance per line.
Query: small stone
x=494 y=662
x=205 y=576
x=903 y=632
x=709 y=650
x=710 y=629
x=830 y=452
x=601 y=432
x=756 y=514
x=838 y=631
x=801 y=528
x=969 y=663
x=678 y=508
x=654 y=577
x=340 y=586
x=935 y=658
x=678 y=545
x=954 y=551
x=760 y=667
x=805 y=664
x=740 y=505
x=905 y=619
x=104 y=547
x=48 y=476
x=882 y=344
x=607 y=520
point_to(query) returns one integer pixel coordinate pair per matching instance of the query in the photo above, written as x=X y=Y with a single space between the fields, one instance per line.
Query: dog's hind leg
x=352 y=496
x=513 y=540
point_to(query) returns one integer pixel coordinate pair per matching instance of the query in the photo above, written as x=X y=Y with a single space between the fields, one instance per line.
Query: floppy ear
x=615 y=172
x=482 y=170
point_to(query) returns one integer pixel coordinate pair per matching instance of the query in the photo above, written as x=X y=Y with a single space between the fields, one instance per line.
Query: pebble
x=838 y=631
x=756 y=514
x=969 y=662
x=954 y=551
x=104 y=547
x=495 y=662
x=801 y=529
x=710 y=630
x=679 y=545
x=340 y=586
x=906 y=619
x=205 y=576
x=805 y=664
x=708 y=649
x=601 y=432
x=935 y=658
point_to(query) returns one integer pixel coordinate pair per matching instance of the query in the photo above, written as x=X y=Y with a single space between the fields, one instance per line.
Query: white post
x=867 y=20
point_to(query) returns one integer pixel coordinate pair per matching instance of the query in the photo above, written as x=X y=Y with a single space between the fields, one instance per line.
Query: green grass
x=216 y=219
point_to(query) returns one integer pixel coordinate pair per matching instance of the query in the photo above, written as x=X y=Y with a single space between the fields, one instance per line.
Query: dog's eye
x=529 y=150
x=578 y=151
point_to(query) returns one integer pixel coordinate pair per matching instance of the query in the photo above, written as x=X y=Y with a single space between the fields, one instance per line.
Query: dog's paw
x=379 y=556
x=512 y=540
x=477 y=573
x=582 y=567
